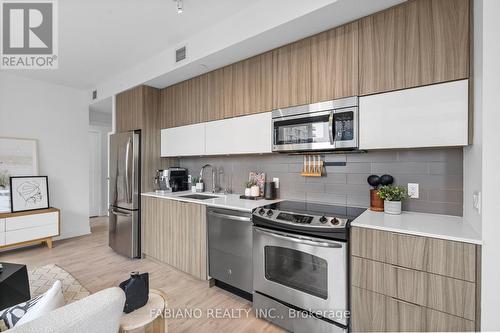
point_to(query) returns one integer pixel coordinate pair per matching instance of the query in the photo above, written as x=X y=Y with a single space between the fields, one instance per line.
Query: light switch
x=413 y=190
x=276 y=182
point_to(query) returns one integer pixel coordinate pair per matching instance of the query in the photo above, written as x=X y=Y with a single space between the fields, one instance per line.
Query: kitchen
x=386 y=94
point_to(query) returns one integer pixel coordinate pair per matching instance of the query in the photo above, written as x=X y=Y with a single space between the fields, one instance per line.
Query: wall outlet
x=413 y=190
x=276 y=182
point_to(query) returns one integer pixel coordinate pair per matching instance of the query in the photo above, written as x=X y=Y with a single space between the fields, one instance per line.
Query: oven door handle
x=331 y=128
x=299 y=239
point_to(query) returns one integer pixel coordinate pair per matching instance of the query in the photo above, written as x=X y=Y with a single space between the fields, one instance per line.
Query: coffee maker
x=171 y=180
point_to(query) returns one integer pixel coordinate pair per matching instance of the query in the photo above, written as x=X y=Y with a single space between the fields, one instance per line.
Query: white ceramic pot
x=199 y=187
x=392 y=207
x=255 y=191
x=193 y=188
x=248 y=192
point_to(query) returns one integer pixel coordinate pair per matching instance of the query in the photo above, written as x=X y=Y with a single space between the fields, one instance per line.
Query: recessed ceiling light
x=180 y=7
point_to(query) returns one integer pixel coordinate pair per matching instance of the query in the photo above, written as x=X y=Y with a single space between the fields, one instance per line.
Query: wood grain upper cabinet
x=417 y=43
x=382 y=51
x=292 y=74
x=215 y=95
x=334 y=61
x=166 y=107
x=251 y=86
x=129 y=109
x=437 y=41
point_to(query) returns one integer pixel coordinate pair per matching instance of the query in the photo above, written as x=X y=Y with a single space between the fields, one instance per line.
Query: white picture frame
x=29 y=193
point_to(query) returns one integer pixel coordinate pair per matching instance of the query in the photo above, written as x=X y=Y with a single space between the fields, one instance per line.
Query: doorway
x=100 y=126
x=95 y=181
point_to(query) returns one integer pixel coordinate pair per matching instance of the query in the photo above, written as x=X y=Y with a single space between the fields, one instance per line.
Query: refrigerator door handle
x=115 y=212
x=127 y=176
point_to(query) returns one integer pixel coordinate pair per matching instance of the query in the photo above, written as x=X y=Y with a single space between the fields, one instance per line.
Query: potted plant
x=248 y=188
x=392 y=195
x=199 y=185
x=194 y=181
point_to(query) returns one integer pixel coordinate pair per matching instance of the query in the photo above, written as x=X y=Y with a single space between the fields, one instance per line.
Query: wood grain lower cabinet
x=402 y=282
x=438 y=256
x=449 y=295
x=175 y=233
x=373 y=312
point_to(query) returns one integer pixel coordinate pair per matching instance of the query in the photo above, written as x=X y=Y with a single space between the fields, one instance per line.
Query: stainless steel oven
x=306 y=272
x=321 y=126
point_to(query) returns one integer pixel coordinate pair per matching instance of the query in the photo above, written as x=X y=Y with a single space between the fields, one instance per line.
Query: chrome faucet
x=214 y=188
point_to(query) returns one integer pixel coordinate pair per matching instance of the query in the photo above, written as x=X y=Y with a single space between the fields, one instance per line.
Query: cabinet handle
x=405 y=302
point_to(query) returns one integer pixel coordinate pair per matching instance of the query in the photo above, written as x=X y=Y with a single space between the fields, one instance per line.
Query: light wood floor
x=96 y=266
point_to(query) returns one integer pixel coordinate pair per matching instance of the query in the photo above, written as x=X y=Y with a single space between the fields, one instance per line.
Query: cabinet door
x=429 y=116
x=437 y=41
x=252 y=85
x=175 y=233
x=215 y=95
x=129 y=108
x=372 y=312
x=225 y=136
x=186 y=140
x=166 y=107
x=334 y=59
x=382 y=51
x=292 y=74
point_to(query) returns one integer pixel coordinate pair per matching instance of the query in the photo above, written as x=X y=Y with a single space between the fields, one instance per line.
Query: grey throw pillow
x=11 y=316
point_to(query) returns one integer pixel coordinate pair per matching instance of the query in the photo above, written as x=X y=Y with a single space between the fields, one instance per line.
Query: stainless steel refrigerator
x=124 y=187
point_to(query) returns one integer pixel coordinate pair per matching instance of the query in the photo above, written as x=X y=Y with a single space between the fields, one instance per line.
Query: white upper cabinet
x=183 y=141
x=429 y=116
x=241 y=135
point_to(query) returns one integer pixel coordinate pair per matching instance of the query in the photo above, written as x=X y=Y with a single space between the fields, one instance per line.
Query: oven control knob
x=323 y=219
x=261 y=211
x=270 y=212
x=335 y=221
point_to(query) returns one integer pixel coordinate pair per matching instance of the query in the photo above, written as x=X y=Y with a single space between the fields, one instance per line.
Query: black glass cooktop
x=316 y=209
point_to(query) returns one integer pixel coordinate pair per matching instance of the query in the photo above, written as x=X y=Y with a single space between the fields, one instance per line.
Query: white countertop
x=448 y=227
x=228 y=201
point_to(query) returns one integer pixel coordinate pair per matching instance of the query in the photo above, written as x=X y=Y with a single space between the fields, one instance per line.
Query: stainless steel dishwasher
x=230 y=247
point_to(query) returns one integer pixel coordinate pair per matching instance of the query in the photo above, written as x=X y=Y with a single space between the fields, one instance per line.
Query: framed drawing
x=29 y=193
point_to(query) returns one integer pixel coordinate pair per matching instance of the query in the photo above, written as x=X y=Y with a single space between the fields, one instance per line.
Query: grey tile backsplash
x=437 y=171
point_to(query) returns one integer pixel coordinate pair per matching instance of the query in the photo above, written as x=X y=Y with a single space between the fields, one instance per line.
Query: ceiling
x=113 y=45
x=99 y=39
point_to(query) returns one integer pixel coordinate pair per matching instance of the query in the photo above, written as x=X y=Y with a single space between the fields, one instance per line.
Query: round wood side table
x=149 y=318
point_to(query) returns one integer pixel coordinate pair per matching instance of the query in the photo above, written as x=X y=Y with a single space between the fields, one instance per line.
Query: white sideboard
x=30 y=227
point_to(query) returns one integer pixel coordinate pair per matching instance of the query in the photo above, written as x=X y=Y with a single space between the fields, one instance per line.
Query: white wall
x=473 y=153
x=490 y=277
x=57 y=117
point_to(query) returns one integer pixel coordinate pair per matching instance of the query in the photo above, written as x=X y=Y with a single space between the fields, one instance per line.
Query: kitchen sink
x=198 y=196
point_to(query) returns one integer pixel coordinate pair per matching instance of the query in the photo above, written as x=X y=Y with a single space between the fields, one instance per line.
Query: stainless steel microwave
x=330 y=125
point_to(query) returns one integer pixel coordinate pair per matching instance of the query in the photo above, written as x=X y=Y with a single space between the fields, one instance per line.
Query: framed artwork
x=29 y=193
x=258 y=178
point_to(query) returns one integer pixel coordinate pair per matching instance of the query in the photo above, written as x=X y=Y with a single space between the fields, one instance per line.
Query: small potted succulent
x=194 y=181
x=248 y=188
x=393 y=196
x=199 y=185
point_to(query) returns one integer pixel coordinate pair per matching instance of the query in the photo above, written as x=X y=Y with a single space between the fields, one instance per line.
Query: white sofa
x=97 y=313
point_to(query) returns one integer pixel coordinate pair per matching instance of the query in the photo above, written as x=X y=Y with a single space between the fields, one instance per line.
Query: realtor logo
x=29 y=34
